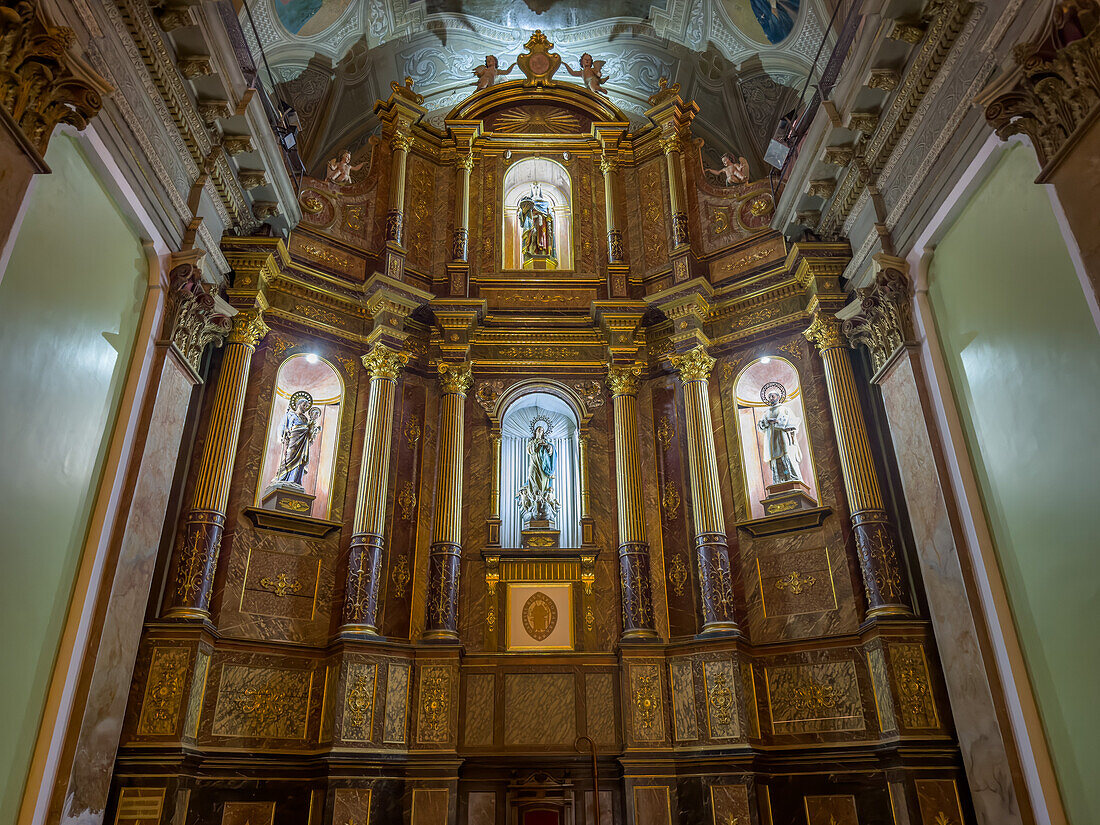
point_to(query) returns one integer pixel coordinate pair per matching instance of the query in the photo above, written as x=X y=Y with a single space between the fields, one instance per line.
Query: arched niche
x=554 y=186
x=312 y=374
x=752 y=409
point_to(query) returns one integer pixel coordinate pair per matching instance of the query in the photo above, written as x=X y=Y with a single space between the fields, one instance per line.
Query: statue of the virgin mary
x=536 y=497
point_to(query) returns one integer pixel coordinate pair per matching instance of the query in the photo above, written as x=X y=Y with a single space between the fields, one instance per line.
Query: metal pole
x=595 y=773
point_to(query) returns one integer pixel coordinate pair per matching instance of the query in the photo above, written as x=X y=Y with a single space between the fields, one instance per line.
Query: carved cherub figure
x=736 y=171
x=590 y=73
x=340 y=168
x=487 y=75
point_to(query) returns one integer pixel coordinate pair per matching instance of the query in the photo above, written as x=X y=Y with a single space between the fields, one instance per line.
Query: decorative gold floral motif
x=591 y=391
x=292 y=504
x=317 y=314
x=163 y=692
x=942 y=819
x=384 y=363
x=795 y=582
x=411 y=431
x=281 y=585
x=677 y=574
x=589 y=618
x=720 y=700
x=360 y=697
x=758 y=316
x=487 y=393
x=670 y=501
x=455 y=378
x=624 y=380
x=792 y=348
x=646 y=696
x=664 y=432
x=407 y=499
x=400 y=576
x=807 y=696
x=348 y=364
x=918 y=709
x=435 y=701
x=588 y=573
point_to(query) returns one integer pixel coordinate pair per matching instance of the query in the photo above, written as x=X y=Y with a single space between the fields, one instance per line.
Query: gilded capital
x=607 y=165
x=455 y=378
x=885 y=319
x=825 y=332
x=402 y=142
x=383 y=362
x=671 y=144
x=623 y=380
x=466 y=162
x=192 y=321
x=694 y=365
x=248 y=327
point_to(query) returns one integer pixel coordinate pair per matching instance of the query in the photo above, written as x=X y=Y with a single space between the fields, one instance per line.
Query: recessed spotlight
x=311 y=358
x=765 y=360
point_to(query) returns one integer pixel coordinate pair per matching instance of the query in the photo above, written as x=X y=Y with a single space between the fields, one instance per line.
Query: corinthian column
x=633 y=546
x=197 y=554
x=365 y=554
x=673 y=148
x=614 y=234
x=465 y=165
x=401 y=142
x=711 y=548
x=446 y=550
x=875 y=538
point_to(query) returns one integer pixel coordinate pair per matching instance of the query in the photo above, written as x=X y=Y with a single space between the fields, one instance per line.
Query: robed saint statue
x=536 y=496
x=299 y=429
x=536 y=224
x=780 y=445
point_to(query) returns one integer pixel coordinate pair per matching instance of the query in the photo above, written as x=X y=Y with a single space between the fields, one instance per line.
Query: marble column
x=876 y=542
x=673 y=147
x=401 y=143
x=638 y=624
x=446 y=549
x=614 y=234
x=711 y=547
x=367 y=542
x=197 y=556
x=461 y=241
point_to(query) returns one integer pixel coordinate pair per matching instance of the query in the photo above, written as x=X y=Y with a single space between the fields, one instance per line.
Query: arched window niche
x=300 y=449
x=538 y=216
x=776 y=456
x=521 y=419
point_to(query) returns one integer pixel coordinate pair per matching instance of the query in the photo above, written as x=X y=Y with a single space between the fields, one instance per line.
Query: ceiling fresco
x=743 y=61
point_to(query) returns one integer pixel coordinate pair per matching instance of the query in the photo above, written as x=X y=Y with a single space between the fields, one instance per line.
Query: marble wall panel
x=140 y=806
x=360 y=688
x=248 y=813
x=607 y=807
x=685 y=725
x=729 y=803
x=647 y=707
x=752 y=705
x=429 y=442
x=796 y=583
x=720 y=689
x=916 y=699
x=351 y=805
x=397 y=703
x=939 y=804
x=880 y=683
x=651 y=508
x=262 y=702
x=437 y=708
x=814 y=698
x=540 y=709
x=481 y=808
x=652 y=805
x=479 y=706
x=600 y=709
x=429 y=806
x=280 y=585
x=164 y=691
x=196 y=694
x=607 y=597
x=831 y=810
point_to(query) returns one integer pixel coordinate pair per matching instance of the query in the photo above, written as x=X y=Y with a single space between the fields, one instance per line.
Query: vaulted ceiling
x=333 y=58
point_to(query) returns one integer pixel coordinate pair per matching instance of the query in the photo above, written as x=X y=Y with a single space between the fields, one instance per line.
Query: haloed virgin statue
x=780 y=444
x=536 y=497
x=300 y=428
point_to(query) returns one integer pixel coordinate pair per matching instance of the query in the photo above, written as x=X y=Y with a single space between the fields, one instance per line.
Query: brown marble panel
x=916 y=701
x=607 y=805
x=140 y=806
x=248 y=813
x=730 y=803
x=164 y=688
x=831 y=810
x=280 y=585
x=796 y=583
x=720 y=688
x=360 y=687
x=351 y=805
x=814 y=698
x=327 y=256
x=938 y=800
x=197 y=694
x=647 y=711
x=540 y=709
x=479 y=706
x=262 y=702
x=429 y=806
x=880 y=682
x=397 y=703
x=481 y=808
x=752 y=707
x=685 y=726
x=599 y=705
x=434 y=721
x=652 y=805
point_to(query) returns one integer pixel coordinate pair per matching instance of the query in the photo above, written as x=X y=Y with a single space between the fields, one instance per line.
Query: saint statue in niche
x=299 y=429
x=536 y=223
x=536 y=497
x=780 y=445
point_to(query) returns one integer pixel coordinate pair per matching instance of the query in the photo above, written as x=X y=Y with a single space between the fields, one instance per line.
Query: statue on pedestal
x=536 y=221
x=299 y=429
x=780 y=444
x=536 y=497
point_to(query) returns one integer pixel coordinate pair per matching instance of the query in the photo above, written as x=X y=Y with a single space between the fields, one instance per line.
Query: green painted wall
x=1024 y=361
x=69 y=308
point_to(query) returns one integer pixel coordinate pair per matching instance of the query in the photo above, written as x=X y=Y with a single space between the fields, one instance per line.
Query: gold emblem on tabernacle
x=540 y=616
x=760 y=206
x=796 y=582
x=281 y=585
x=781 y=507
x=312 y=204
x=291 y=504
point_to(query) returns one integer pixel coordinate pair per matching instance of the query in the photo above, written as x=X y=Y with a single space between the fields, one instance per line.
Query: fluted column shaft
x=197 y=555
x=367 y=540
x=614 y=234
x=673 y=148
x=460 y=250
x=880 y=565
x=711 y=546
x=638 y=623
x=446 y=548
x=395 y=218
